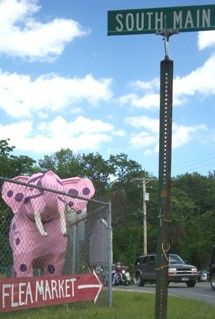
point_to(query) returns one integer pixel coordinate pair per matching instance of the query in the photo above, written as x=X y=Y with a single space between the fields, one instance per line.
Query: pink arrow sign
x=31 y=292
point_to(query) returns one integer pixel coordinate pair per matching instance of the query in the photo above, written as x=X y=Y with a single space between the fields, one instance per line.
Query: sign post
x=166 y=22
x=165 y=150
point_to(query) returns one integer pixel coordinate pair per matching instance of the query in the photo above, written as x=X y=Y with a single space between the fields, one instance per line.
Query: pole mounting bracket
x=166 y=33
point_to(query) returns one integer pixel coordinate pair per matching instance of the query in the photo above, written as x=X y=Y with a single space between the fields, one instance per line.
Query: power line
x=196 y=163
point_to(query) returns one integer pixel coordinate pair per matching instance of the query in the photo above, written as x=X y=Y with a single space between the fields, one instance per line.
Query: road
x=202 y=291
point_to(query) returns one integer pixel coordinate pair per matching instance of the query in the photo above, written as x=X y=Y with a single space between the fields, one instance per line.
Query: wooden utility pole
x=142 y=181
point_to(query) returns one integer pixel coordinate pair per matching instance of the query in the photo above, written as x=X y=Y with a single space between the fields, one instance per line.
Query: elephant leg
x=23 y=265
x=54 y=264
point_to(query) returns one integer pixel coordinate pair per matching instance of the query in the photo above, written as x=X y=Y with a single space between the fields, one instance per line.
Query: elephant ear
x=14 y=194
x=81 y=187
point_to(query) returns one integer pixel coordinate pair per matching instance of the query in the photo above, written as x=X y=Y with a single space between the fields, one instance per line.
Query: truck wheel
x=191 y=283
x=139 y=280
x=213 y=280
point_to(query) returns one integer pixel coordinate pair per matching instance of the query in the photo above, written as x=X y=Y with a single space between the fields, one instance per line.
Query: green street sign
x=182 y=19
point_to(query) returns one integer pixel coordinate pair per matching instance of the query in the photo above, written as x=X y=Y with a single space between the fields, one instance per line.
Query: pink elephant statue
x=38 y=228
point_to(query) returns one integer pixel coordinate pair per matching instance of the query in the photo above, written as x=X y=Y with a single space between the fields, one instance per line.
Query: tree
x=64 y=163
x=192 y=201
x=11 y=165
x=5 y=149
x=124 y=169
x=182 y=207
x=199 y=188
x=126 y=208
x=211 y=174
x=99 y=170
x=198 y=198
x=5 y=163
x=199 y=239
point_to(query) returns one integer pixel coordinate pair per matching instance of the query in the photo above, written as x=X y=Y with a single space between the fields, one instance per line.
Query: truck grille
x=184 y=271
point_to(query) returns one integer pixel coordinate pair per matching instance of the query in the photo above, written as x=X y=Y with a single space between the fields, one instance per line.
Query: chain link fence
x=69 y=235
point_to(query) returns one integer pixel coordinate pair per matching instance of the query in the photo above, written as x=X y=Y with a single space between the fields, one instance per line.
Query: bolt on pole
x=163 y=242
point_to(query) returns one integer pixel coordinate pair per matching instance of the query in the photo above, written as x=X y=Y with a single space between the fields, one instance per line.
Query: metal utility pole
x=163 y=242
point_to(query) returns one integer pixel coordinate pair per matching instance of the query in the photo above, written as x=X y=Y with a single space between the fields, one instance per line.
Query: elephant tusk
x=63 y=224
x=84 y=211
x=39 y=224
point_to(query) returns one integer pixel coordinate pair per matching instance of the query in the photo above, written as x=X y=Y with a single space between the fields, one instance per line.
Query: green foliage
x=116 y=179
x=10 y=165
x=127 y=244
x=201 y=189
x=64 y=163
x=5 y=149
x=125 y=169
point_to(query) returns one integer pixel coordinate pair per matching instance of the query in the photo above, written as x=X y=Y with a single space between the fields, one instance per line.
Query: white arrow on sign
x=96 y=285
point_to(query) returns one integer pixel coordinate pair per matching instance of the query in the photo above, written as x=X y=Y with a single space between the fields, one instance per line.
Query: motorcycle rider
x=117 y=274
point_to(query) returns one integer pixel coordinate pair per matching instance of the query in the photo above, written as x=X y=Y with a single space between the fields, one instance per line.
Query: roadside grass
x=125 y=305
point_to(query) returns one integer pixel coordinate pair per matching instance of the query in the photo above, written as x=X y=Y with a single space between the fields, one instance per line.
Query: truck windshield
x=175 y=259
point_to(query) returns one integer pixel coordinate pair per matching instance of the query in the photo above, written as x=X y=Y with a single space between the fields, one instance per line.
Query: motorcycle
x=121 y=277
x=127 y=274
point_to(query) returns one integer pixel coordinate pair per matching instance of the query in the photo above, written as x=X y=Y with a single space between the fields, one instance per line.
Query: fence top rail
x=5 y=179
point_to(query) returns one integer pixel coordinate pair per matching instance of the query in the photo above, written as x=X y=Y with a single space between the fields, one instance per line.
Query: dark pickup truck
x=212 y=269
x=179 y=270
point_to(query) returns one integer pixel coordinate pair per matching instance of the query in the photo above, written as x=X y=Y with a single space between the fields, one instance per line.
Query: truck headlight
x=172 y=270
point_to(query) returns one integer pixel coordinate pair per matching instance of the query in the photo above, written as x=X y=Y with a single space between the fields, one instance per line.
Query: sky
x=64 y=83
